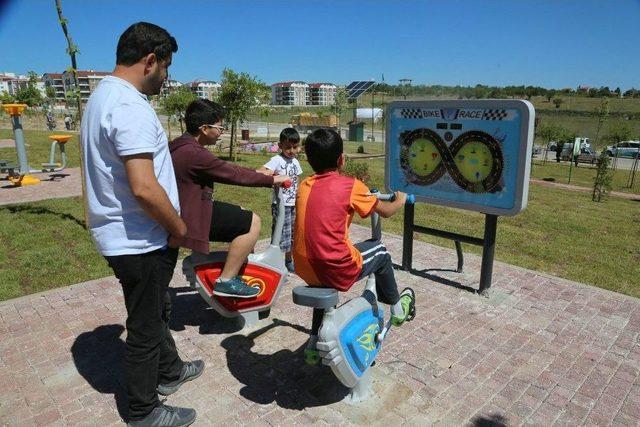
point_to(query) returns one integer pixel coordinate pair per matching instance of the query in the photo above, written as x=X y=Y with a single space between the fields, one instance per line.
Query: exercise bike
x=351 y=335
x=265 y=270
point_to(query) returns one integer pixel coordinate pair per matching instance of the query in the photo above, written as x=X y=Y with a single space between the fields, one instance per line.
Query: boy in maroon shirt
x=196 y=170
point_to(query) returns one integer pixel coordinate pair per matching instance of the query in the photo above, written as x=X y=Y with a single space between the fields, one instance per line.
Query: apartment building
x=322 y=93
x=87 y=81
x=55 y=81
x=169 y=86
x=290 y=93
x=11 y=83
x=205 y=89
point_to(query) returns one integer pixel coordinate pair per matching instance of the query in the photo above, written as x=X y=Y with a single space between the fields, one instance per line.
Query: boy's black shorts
x=228 y=222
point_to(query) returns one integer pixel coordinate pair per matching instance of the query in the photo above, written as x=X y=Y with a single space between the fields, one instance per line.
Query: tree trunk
x=232 y=140
x=71 y=50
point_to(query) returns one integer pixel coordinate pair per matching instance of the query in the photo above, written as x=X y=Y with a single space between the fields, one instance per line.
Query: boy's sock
x=397 y=310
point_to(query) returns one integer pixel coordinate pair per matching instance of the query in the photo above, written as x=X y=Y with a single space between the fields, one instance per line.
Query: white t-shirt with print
x=118 y=121
x=289 y=167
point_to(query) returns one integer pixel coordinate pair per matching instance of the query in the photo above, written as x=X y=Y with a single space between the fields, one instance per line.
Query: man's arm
x=387 y=209
x=152 y=197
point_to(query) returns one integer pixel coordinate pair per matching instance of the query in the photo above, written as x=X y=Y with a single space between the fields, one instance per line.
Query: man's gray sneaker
x=190 y=371
x=234 y=288
x=166 y=416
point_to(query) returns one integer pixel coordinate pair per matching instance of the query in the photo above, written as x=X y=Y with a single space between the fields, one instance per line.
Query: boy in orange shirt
x=322 y=251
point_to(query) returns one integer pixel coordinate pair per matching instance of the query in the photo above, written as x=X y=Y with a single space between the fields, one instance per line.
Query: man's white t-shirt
x=118 y=121
x=289 y=167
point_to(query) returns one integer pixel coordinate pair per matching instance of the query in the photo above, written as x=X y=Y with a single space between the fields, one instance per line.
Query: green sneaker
x=234 y=288
x=311 y=356
x=408 y=303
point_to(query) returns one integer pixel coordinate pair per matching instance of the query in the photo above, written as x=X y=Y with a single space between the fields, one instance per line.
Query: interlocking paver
x=539 y=351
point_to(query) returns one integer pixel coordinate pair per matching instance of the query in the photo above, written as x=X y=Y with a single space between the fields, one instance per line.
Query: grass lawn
x=43 y=244
x=582 y=175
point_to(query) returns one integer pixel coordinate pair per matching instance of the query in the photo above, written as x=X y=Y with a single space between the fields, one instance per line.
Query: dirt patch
x=7 y=143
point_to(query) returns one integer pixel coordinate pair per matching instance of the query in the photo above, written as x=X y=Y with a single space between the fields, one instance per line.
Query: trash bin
x=356 y=131
x=245 y=134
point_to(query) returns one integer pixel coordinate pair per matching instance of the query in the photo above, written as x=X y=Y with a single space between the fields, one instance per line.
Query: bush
x=359 y=170
x=603 y=179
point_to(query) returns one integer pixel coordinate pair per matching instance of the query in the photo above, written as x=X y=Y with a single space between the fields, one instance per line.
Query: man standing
x=134 y=217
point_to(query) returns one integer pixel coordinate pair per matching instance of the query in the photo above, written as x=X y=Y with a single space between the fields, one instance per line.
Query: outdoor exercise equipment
x=349 y=336
x=53 y=166
x=21 y=177
x=472 y=154
x=265 y=270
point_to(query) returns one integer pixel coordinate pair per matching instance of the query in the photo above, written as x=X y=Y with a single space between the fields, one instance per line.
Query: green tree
x=548 y=133
x=603 y=115
x=550 y=94
x=557 y=102
x=6 y=98
x=30 y=94
x=340 y=103
x=265 y=112
x=602 y=180
x=176 y=102
x=50 y=93
x=239 y=93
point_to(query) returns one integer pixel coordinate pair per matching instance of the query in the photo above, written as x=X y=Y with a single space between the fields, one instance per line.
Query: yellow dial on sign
x=474 y=161
x=424 y=158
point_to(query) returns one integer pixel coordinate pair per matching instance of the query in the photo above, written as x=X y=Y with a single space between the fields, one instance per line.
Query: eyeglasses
x=220 y=128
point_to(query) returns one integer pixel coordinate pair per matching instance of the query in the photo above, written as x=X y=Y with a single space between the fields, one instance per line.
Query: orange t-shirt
x=322 y=251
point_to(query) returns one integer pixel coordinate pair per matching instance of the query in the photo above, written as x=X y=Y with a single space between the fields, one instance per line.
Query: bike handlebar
x=411 y=199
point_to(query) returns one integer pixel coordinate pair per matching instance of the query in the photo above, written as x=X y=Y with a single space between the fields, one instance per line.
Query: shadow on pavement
x=99 y=357
x=427 y=274
x=281 y=377
x=493 y=420
x=189 y=309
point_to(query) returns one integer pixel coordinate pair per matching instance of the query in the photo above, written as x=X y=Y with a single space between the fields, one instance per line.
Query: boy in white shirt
x=285 y=163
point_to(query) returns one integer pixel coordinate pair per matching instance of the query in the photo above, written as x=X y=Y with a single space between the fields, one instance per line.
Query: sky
x=548 y=43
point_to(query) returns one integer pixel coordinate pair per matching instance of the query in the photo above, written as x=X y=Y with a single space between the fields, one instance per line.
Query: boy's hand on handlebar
x=401 y=198
x=279 y=180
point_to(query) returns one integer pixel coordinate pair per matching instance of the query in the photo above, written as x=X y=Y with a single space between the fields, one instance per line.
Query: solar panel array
x=355 y=89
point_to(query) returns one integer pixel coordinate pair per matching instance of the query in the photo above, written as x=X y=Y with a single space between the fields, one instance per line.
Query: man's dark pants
x=151 y=355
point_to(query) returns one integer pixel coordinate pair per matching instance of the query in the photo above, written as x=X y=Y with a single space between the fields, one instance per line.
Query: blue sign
x=473 y=155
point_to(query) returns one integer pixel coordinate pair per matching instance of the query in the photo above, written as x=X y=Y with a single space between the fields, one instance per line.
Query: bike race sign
x=473 y=155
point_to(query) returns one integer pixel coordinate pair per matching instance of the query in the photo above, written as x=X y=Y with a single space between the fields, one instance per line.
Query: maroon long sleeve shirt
x=196 y=170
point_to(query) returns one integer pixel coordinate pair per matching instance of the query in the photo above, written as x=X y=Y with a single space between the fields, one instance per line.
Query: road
x=622 y=162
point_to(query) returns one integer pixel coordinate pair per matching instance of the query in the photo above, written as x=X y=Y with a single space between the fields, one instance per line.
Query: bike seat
x=313 y=296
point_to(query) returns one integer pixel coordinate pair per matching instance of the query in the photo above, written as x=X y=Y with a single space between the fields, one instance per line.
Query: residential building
x=290 y=93
x=322 y=93
x=87 y=81
x=12 y=82
x=205 y=89
x=169 y=86
x=55 y=81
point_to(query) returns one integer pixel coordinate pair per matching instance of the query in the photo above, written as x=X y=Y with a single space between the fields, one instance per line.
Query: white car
x=623 y=149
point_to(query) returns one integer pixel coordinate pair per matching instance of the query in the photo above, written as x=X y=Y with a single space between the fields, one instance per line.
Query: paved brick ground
x=52 y=186
x=540 y=351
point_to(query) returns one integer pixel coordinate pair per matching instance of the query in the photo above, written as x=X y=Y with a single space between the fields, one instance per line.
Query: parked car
x=587 y=155
x=623 y=149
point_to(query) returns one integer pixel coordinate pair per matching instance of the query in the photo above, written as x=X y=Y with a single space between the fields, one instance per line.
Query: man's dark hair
x=141 y=39
x=203 y=112
x=291 y=135
x=323 y=148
